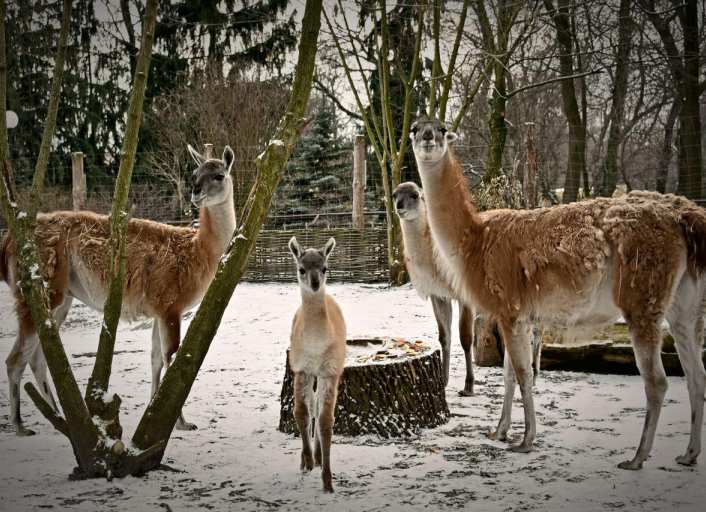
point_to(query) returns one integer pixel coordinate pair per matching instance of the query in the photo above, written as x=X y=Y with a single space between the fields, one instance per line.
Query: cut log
x=603 y=357
x=390 y=387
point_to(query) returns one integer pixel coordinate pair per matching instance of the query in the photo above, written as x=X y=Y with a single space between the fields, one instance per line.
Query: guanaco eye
x=414 y=130
x=415 y=196
x=302 y=271
x=443 y=131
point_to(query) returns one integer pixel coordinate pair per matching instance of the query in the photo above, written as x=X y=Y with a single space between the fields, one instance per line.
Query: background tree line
x=608 y=91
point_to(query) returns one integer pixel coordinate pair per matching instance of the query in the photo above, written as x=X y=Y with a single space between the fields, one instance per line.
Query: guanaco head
x=312 y=264
x=430 y=139
x=409 y=201
x=211 y=181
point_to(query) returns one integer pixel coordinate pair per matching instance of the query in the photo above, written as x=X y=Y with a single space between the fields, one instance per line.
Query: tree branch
x=371 y=127
x=32 y=284
x=330 y=95
x=448 y=81
x=551 y=81
x=119 y=219
x=40 y=169
x=158 y=420
x=47 y=410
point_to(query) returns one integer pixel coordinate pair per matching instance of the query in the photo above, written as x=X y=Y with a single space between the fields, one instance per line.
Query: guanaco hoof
x=307 y=462
x=520 y=448
x=686 y=460
x=495 y=436
x=23 y=431
x=631 y=465
x=185 y=425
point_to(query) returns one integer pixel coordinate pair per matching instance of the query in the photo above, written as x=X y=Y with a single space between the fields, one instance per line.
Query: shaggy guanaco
x=316 y=356
x=429 y=281
x=642 y=255
x=168 y=271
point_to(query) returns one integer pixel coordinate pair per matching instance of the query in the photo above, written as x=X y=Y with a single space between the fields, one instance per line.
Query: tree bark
x=158 y=420
x=690 y=157
x=684 y=67
x=577 y=134
x=119 y=219
x=389 y=399
x=21 y=225
x=620 y=86
x=665 y=156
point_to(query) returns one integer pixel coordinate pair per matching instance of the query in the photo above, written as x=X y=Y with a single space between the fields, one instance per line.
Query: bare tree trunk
x=496 y=126
x=98 y=451
x=31 y=283
x=665 y=156
x=108 y=411
x=620 y=86
x=157 y=422
x=690 y=158
x=532 y=169
x=684 y=68
x=577 y=133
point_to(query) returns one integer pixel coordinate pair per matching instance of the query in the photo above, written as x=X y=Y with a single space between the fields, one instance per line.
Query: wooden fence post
x=359 y=182
x=78 y=192
x=208 y=150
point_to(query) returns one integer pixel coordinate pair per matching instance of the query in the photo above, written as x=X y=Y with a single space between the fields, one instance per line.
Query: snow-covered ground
x=237 y=460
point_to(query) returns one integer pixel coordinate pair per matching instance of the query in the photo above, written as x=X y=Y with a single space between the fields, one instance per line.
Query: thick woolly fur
x=168 y=269
x=317 y=354
x=641 y=255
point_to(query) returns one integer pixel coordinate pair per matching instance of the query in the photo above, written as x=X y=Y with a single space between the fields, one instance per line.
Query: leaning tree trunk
x=158 y=421
x=390 y=394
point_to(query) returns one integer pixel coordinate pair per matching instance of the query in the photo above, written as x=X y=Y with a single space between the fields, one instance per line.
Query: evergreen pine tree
x=319 y=173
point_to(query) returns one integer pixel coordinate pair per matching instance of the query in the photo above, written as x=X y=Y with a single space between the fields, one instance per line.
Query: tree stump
x=389 y=387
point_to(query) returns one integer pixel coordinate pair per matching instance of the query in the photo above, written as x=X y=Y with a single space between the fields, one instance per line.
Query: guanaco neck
x=417 y=237
x=452 y=215
x=313 y=303
x=216 y=226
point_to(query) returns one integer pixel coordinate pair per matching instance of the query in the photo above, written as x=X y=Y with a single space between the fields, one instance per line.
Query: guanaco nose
x=428 y=134
x=315 y=283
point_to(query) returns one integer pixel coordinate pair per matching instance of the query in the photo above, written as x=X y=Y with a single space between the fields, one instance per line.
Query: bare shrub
x=209 y=108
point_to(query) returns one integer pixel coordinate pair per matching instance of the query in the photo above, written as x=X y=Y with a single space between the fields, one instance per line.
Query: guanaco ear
x=294 y=248
x=328 y=248
x=198 y=158
x=451 y=136
x=228 y=158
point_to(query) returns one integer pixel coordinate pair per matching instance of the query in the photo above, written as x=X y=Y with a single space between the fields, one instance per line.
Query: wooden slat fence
x=360 y=255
